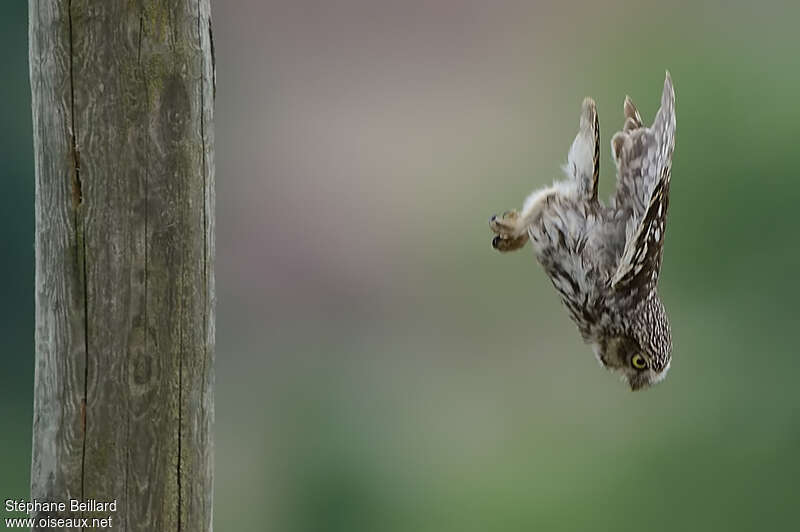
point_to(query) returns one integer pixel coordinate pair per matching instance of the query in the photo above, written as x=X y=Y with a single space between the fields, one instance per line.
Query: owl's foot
x=510 y=236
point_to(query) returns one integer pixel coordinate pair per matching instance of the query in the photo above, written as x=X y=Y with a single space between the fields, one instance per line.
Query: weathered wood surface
x=122 y=96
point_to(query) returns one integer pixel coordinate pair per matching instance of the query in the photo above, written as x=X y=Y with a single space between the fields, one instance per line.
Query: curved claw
x=506 y=244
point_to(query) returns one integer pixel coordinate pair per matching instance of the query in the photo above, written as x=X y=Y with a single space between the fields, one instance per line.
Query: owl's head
x=641 y=355
x=638 y=366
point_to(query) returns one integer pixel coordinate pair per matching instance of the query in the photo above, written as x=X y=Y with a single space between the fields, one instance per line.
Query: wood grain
x=123 y=134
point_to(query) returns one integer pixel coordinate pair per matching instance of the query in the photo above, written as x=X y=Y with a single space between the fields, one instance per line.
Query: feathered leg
x=583 y=165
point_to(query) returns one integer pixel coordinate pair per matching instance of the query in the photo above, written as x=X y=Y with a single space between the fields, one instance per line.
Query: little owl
x=605 y=260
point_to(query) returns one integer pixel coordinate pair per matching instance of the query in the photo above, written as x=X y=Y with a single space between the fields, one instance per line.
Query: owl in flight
x=604 y=260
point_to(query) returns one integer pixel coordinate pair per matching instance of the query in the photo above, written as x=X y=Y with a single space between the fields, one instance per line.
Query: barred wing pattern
x=644 y=162
x=583 y=160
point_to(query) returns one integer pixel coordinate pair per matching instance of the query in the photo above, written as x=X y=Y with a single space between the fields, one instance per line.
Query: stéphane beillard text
x=74 y=505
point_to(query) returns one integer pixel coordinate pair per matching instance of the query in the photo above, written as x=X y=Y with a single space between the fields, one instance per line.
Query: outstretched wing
x=583 y=161
x=644 y=162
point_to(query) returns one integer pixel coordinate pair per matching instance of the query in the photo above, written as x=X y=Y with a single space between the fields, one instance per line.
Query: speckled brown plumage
x=604 y=260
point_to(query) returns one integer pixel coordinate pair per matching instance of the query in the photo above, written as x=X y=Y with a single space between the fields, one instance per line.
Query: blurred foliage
x=16 y=251
x=379 y=368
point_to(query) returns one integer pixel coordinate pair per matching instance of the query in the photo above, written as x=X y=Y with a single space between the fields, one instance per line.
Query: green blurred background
x=379 y=367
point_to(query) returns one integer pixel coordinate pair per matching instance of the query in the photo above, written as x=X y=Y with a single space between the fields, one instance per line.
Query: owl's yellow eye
x=638 y=361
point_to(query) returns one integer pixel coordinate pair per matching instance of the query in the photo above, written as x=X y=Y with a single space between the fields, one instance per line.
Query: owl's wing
x=644 y=162
x=583 y=160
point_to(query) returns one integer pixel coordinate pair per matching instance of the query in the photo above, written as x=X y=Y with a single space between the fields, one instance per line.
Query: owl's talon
x=505 y=225
x=505 y=243
x=509 y=235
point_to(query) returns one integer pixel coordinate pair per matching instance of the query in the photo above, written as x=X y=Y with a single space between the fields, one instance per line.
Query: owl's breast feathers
x=578 y=245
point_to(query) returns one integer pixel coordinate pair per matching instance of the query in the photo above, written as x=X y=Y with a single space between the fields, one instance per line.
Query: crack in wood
x=77 y=188
x=213 y=59
x=139 y=45
x=80 y=244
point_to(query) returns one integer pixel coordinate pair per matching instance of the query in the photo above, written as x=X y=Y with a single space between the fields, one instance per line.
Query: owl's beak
x=637 y=383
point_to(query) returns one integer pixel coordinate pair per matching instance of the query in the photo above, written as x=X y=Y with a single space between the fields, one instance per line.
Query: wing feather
x=644 y=163
x=583 y=160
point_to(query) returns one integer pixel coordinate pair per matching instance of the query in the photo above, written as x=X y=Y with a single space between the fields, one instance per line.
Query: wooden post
x=123 y=135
